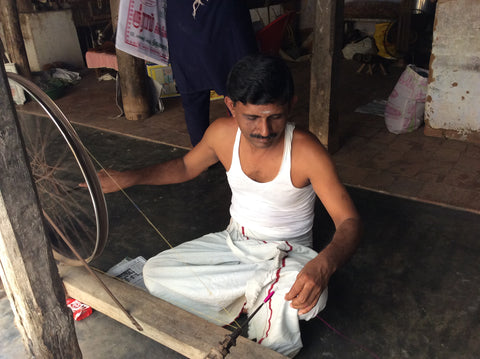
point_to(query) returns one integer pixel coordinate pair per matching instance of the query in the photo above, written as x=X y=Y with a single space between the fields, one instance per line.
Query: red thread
x=270 y=290
x=348 y=339
x=243 y=232
x=289 y=246
x=269 y=322
x=270 y=302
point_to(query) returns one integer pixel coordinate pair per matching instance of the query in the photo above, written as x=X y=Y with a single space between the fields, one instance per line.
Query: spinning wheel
x=59 y=162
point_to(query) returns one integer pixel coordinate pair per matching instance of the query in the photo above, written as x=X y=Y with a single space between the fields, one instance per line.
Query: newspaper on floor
x=130 y=270
x=376 y=107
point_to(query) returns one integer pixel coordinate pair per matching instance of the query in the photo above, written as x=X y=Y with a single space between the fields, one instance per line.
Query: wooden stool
x=370 y=62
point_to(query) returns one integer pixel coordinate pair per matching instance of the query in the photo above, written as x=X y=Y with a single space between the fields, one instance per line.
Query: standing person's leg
x=196 y=106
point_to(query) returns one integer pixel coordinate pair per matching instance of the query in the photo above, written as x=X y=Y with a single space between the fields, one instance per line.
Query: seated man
x=275 y=172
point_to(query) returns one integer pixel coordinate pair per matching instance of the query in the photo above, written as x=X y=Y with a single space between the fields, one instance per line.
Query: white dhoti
x=219 y=274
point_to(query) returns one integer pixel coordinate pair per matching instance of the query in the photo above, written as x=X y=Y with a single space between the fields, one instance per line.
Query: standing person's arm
x=313 y=279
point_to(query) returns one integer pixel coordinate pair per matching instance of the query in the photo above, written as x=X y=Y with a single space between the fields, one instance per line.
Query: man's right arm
x=163 y=173
x=174 y=171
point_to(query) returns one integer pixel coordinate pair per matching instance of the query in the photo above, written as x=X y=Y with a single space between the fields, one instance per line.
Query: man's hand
x=309 y=285
x=313 y=278
x=113 y=181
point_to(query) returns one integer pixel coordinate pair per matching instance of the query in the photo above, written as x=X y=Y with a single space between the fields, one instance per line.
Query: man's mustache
x=269 y=137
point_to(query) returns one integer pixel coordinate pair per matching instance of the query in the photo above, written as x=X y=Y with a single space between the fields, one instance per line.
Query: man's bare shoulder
x=309 y=158
x=221 y=131
x=304 y=143
x=224 y=124
x=220 y=137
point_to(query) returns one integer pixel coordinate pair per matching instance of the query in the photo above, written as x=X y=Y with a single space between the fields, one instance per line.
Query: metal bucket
x=424 y=6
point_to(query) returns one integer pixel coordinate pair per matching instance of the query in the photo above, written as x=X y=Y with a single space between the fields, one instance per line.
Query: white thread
x=196 y=5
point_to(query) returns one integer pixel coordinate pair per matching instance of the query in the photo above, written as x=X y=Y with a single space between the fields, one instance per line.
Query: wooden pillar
x=14 y=43
x=328 y=32
x=133 y=78
x=25 y=6
x=403 y=30
x=27 y=268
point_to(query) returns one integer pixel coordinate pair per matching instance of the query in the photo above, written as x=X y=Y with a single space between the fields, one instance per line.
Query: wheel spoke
x=59 y=163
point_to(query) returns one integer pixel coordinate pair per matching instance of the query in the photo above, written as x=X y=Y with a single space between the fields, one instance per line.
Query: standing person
x=275 y=172
x=205 y=38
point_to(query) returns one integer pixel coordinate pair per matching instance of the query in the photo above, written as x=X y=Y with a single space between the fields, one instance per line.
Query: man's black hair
x=259 y=80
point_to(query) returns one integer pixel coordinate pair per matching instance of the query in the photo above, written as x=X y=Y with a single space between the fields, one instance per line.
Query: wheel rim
x=59 y=162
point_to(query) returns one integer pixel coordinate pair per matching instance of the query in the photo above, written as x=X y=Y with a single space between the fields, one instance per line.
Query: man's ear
x=294 y=101
x=230 y=104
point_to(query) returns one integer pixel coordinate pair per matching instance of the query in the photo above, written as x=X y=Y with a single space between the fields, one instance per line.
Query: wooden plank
x=25 y=6
x=27 y=269
x=171 y=326
x=327 y=33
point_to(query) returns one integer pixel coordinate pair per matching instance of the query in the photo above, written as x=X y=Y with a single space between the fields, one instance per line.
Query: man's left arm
x=316 y=164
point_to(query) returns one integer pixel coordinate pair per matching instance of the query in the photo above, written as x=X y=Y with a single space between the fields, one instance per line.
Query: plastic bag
x=80 y=310
x=385 y=48
x=364 y=46
x=406 y=104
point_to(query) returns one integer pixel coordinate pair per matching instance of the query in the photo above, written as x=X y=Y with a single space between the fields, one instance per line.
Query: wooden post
x=133 y=78
x=328 y=31
x=25 y=6
x=14 y=43
x=403 y=30
x=27 y=269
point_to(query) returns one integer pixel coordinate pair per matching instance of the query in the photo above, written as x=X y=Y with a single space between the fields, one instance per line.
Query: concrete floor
x=99 y=337
x=409 y=292
x=430 y=169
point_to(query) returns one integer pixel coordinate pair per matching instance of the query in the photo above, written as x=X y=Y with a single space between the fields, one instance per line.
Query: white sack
x=406 y=104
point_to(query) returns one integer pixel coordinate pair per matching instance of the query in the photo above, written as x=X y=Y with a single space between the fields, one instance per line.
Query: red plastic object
x=79 y=309
x=270 y=37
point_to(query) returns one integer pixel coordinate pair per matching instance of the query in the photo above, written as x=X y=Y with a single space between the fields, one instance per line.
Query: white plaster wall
x=50 y=36
x=453 y=96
